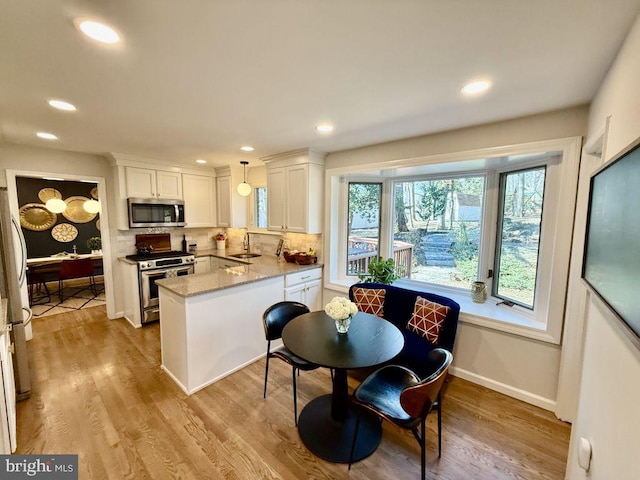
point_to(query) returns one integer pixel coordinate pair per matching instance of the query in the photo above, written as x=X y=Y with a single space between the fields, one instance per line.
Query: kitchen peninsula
x=211 y=323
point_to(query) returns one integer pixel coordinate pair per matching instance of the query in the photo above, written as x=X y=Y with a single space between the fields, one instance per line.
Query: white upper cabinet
x=199 y=200
x=295 y=183
x=224 y=201
x=231 y=206
x=137 y=177
x=148 y=183
x=276 y=197
x=169 y=184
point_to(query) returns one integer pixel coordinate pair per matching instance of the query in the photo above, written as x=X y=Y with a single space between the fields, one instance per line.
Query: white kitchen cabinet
x=230 y=205
x=223 y=204
x=305 y=287
x=295 y=187
x=202 y=265
x=199 y=200
x=206 y=337
x=130 y=285
x=276 y=191
x=148 y=183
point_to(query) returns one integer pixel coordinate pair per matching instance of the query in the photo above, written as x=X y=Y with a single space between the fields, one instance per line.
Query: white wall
x=608 y=414
x=518 y=366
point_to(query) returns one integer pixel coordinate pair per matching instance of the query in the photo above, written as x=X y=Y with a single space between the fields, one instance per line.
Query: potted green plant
x=380 y=271
x=95 y=244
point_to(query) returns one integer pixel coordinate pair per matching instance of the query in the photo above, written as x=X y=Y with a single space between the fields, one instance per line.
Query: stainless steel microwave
x=155 y=212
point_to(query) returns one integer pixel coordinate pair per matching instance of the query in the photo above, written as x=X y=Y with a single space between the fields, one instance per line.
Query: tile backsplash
x=265 y=243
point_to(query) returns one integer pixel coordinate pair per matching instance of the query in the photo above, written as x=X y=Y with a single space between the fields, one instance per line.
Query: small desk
x=326 y=423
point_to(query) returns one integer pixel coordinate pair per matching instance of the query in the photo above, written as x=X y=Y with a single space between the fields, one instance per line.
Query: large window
x=363 y=225
x=437 y=229
x=517 y=246
x=500 y=215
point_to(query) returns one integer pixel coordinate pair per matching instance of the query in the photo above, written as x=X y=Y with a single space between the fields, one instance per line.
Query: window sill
x=514 y=320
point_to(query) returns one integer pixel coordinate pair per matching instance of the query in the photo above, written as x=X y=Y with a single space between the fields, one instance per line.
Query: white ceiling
x=200 y=78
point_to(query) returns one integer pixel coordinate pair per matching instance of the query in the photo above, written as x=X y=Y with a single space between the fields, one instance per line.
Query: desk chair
x=396 y=394
x=79 y=268
x=274 y=320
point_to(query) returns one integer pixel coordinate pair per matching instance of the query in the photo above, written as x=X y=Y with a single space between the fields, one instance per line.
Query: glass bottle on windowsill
x=478 y=292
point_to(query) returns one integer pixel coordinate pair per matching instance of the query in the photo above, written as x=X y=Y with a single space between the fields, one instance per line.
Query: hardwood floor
x=98 y=391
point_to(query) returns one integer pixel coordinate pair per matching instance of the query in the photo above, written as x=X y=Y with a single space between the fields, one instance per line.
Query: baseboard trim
x=508 y=390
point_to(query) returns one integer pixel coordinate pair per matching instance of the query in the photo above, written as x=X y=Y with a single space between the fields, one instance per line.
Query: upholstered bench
x=426 y=320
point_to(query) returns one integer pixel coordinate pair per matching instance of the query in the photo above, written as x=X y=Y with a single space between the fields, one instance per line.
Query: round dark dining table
x=326 y=423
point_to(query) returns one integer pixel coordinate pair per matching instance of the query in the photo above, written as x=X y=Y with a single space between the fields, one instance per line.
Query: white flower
x=340 y=308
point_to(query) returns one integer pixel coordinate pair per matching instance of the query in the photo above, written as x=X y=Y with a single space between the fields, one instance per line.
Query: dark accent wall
x=42 y=244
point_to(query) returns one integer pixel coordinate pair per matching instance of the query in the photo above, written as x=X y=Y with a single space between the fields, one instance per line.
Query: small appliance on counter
x=156 y=261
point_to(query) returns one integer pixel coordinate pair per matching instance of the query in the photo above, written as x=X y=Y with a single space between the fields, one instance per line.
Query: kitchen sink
x=245 y=255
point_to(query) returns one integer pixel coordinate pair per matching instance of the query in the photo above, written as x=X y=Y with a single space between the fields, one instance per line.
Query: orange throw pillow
x=370 y=300
x=427 y=319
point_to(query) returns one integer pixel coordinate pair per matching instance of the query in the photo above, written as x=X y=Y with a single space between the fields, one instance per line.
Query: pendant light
x=56 y=205
x=244 y=188
x=91 y=206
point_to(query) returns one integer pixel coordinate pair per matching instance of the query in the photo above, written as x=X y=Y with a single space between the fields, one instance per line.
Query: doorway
x=70 y=234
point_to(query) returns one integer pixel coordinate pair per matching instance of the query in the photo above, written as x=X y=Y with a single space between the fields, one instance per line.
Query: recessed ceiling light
x=46 y=136
x=324 y=128
x=474 y=88
x=98 y=31
x=62 y=105
x=200 y=160
x=247 y=148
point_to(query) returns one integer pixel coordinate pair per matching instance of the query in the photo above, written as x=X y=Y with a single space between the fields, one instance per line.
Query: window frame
x=495 y=278
x=546 y=322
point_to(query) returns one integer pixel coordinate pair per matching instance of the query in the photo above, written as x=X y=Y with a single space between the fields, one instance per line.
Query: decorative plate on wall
x=35 y=217
x=98 y=224
x=64 y=232
x=94 y=193
x=75 y=211
x=49 y=193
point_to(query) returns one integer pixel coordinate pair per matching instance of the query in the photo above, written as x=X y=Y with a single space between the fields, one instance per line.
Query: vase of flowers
x=341 y=309
x=220 y=241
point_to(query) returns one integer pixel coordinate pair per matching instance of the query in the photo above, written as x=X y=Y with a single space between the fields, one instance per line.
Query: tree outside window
x=260 y=207
x=441 y=219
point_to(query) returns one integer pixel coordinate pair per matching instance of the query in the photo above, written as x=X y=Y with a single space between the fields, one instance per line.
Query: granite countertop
x=252 y=270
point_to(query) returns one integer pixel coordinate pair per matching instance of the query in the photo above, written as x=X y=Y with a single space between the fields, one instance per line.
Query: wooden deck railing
x=363 y=250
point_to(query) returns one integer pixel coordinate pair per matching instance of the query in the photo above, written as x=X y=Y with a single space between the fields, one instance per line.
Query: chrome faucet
x=245 y=242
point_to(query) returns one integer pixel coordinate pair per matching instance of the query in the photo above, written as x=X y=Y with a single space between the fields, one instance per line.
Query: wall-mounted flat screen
x=612 y=251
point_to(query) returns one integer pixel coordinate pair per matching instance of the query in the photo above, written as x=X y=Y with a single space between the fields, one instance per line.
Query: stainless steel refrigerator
x=16 y=379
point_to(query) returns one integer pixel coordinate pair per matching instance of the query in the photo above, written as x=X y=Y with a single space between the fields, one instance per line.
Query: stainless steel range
x=156 y=266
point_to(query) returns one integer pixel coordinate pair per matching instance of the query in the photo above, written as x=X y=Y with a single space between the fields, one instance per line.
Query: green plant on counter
x=94 y=243
x=380 y=271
